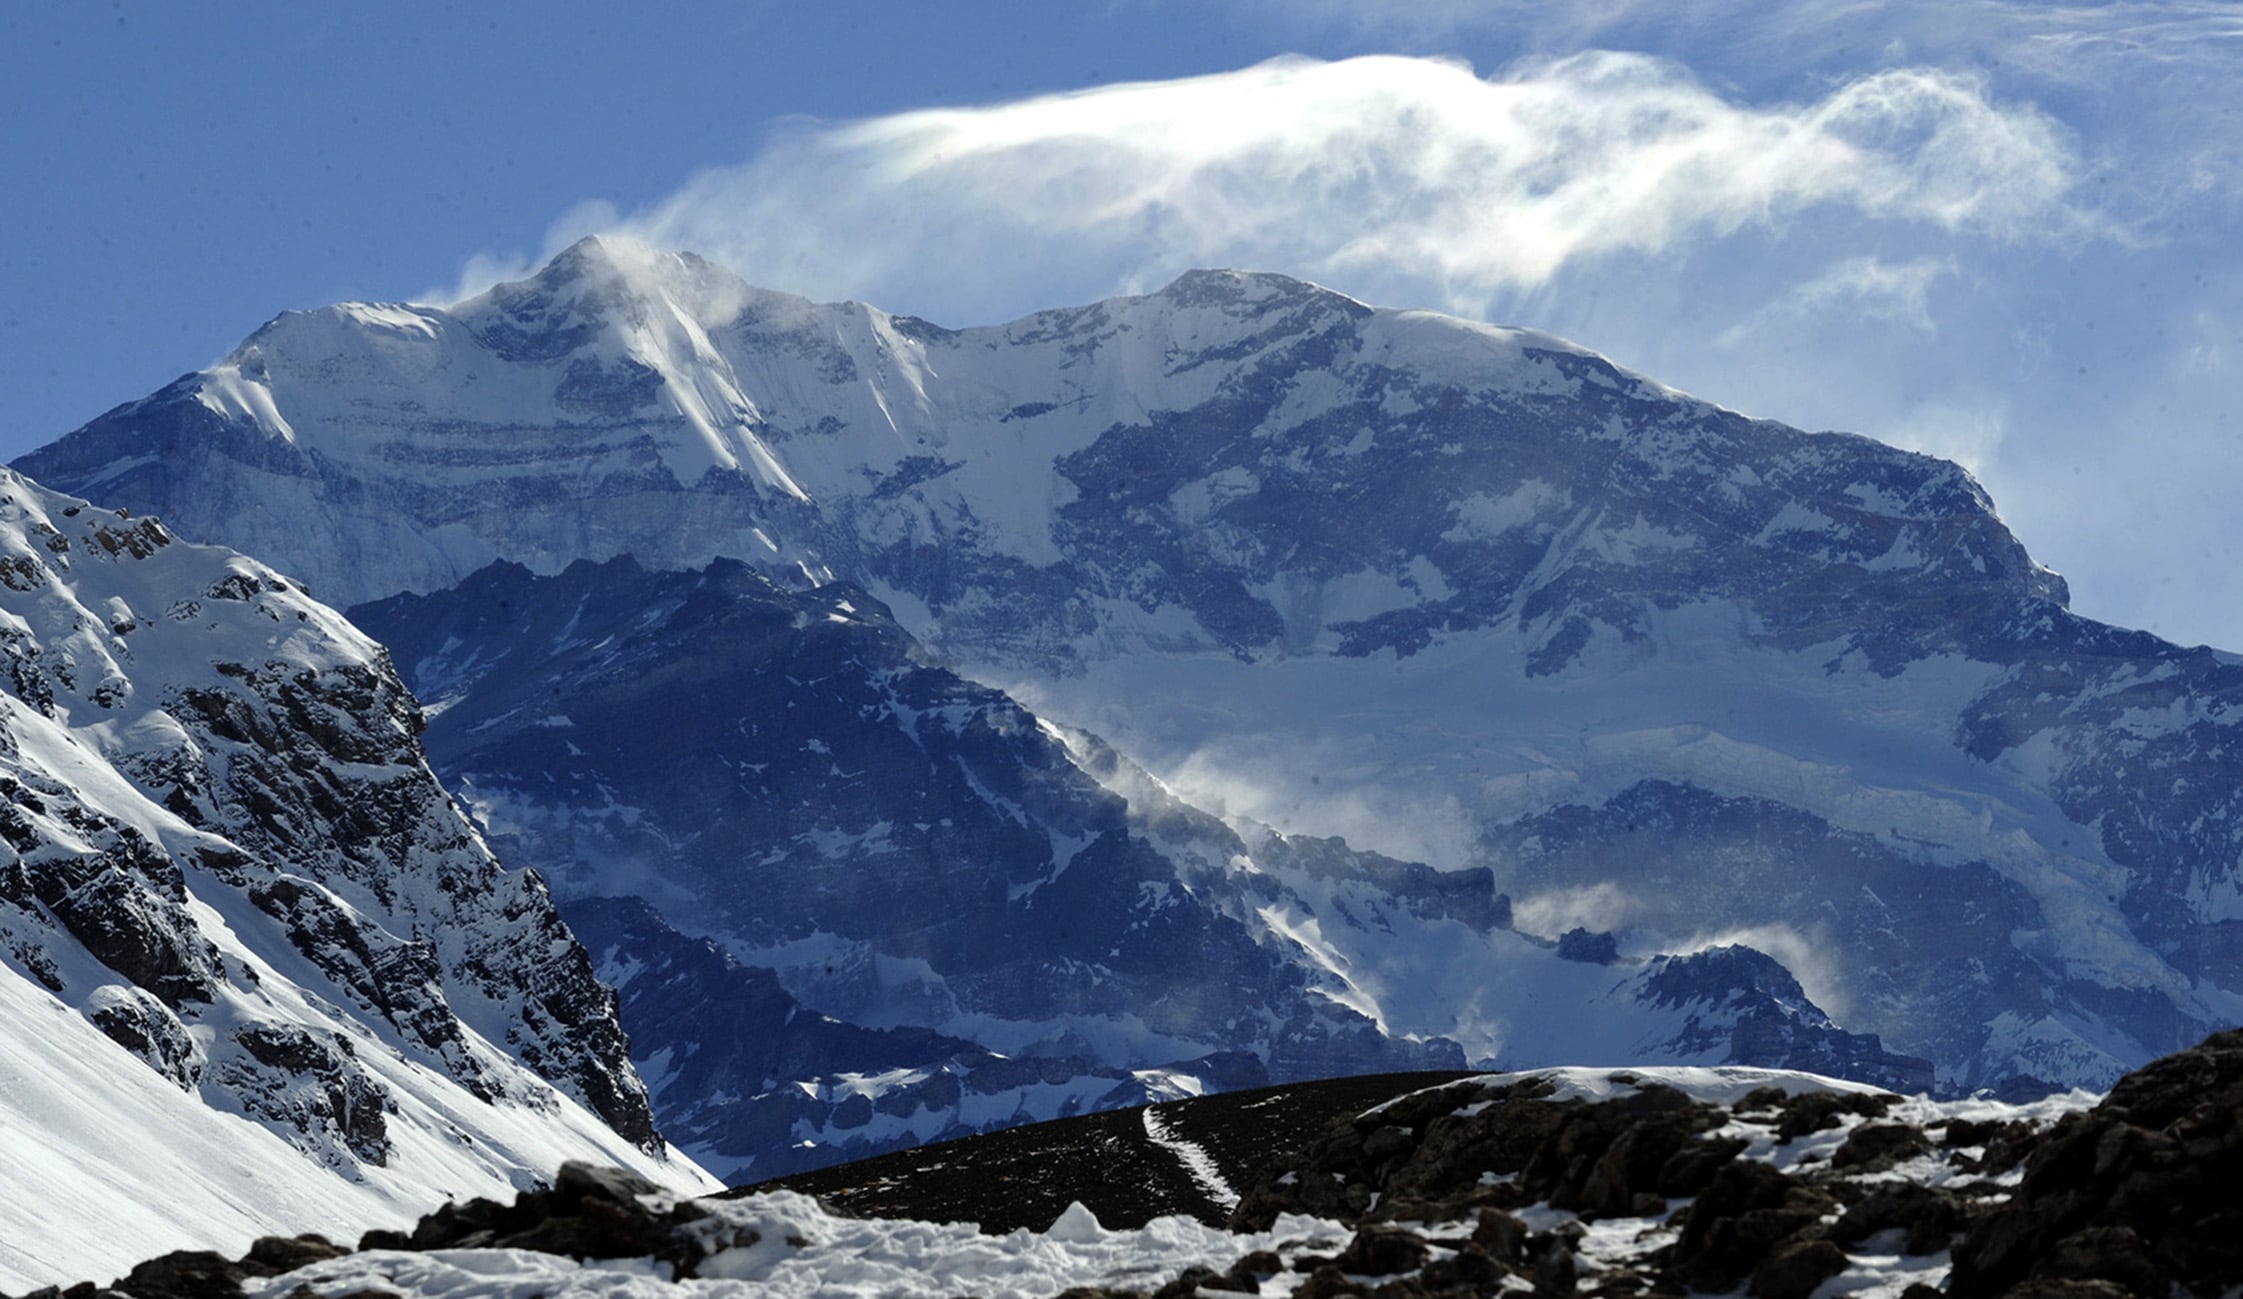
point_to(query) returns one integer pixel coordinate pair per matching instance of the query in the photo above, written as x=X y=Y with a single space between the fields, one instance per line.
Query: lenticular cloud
x=1375 y=168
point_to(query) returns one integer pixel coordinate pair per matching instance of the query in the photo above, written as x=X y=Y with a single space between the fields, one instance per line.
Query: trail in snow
x=1195 y=1160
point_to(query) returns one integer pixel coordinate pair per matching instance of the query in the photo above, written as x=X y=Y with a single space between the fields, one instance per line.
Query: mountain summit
x=1456 y=594
x=629 y=402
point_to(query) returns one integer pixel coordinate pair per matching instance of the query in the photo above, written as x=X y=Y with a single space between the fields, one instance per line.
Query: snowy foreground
x=838 y=1256
x=1551 y=1182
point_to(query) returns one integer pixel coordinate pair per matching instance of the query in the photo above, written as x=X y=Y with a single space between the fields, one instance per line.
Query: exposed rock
x=1820 y=1111
x=1926 y=1219
x=1426 y=1155
x=1874 y=1147
x=311 y=1086
x=228 y=874
x=1738 y=1224
x=1377 y=1251
x=138 y=1021
x=1794 y=1271
x=1106 y=1161
x=795 y=1086
x=2137 y=1193
x=204 y=1274
x=589 y=1212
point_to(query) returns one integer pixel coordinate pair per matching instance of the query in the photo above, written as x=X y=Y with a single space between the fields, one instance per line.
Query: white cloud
x=1315 y=789
x=2154 y=80
x=1883 y=290
x=1857 y=288
x=2210 y=344
x=1970 y=433
x=1402 y=174
x=1606 y=907
x=1603 y=907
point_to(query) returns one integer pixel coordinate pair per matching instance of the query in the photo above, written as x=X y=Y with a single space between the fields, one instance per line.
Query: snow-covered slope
x=1459 y=594
x=256 y=972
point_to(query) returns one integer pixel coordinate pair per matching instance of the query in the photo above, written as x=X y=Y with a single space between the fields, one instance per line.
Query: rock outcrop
x=228 y=873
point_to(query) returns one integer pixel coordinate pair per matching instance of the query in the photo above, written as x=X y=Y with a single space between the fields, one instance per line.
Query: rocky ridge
x=229 y=879
x=1566 y=1182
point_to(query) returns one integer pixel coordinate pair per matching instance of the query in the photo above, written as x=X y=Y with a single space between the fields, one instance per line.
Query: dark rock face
x=588 y=1212
x=1108 y=1161
x=1906 y=942
x=311 y=1083
x=1476 y=1152
x=294 y=747
x=2137 y=1193
x=140 y=1023
x=400 y=979
x=706 y=1029
x=1416 y=1154
x=1760 y=1013
x=808 y=751
x=2130 y=1197
x=203 y=1274
x=119 y=896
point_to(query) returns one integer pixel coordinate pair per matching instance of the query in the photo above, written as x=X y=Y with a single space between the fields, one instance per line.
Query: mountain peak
x=1249 y=292
x=614 y=255
x=617 y=276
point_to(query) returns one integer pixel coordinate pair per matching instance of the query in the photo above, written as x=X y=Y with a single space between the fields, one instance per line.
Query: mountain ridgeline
x=1232 y=669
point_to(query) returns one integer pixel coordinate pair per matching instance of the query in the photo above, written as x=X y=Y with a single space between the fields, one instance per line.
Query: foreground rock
x=589 y=1213
x=2139 y=1192
x=1561 y=1182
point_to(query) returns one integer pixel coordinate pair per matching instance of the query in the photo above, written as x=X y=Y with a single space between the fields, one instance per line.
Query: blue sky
x=2002 y=232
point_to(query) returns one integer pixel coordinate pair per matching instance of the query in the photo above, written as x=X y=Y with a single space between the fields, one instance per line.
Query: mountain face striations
x=1445 y=593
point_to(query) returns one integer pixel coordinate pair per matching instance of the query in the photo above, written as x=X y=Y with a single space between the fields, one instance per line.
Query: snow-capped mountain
x=1457 y=594
x=987 y=919
x=256 y=970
